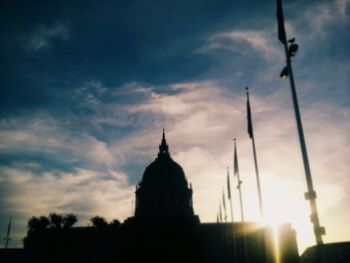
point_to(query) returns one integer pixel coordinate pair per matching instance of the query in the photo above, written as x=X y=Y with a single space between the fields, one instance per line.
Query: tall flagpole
x=288 y=72
x=236 y=173
x=220 y=214
x=229 y=193
x=224 y=204
x=239 y=182
x=7 y=238
x=232 y=218
x=251 y=135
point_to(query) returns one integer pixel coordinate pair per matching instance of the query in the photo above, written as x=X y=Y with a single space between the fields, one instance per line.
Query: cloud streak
x=44 y=36
x=243 y=42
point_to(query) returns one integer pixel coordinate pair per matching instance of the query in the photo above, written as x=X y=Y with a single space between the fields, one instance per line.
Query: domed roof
x=164 y=171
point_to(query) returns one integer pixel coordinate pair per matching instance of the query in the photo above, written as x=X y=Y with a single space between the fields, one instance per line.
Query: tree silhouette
x=115 y=223
x=98 y=221
x=56 y=220
x=38 y=223
x=69 y=220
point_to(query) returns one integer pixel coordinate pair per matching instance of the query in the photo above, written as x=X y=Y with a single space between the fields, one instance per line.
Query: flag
x=224 y=205
x=228 y=185
x=7 y=238
x=235 y=162
x=249 y=118
x=280 y=23
x=9 y=227
x=220 y=214
x=223 y=201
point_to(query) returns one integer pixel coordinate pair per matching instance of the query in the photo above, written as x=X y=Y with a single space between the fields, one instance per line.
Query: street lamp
x=292 y=51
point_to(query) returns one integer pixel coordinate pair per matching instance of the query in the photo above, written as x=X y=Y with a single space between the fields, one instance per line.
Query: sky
x=88 y=86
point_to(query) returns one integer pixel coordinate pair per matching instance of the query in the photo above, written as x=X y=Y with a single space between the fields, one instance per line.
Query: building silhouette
x=338 y=252
x=163 y=191
x=164 y=228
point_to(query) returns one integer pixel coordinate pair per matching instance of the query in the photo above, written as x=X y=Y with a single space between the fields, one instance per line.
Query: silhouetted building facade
x=164 y=228
x=327 y=253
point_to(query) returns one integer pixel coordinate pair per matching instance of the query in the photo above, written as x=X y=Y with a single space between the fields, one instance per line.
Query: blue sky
x=86 y=89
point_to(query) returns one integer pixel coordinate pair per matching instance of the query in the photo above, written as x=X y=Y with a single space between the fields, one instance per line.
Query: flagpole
x=224 y=204
x=236 y=173
x=251 y=134
x=229 y=195
x=232 y=218
x=220 y=213
x=311 y=193
x=239 y=183
x=7 y=238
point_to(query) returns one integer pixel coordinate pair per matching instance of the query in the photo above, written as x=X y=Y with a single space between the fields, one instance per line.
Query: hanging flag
x=280 y=23
x=235 y=162
x=224 y=204
x=7 y=238
x=228 y=184
x=223 y=201
x=249 y=117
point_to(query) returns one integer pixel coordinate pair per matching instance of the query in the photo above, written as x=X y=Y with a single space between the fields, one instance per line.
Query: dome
x=164 y=171
x=163 y=190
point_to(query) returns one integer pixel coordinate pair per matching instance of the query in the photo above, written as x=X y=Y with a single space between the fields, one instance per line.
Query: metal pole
x=251 y=134
x=256 y=164
x=7 y=238
x=241 y=206
x=233 y=233
x=258 y=180
x=239 y=183
x=311 y=193
x=224 y=204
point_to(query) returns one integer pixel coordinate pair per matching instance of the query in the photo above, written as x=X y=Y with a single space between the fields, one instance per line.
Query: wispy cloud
x=46 y=168
x=213 y=117
x=324 y=15
x=43 y=36
x=43 y=134
x=243 y=42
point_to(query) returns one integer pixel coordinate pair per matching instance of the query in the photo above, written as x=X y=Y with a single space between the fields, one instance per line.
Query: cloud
x=319 y=23
x=84 y=192
x=325 y=14
x=86 y=157
x=200 y=118
x=43 y=36
x=46 y=168
x=42 y=134
x=90 y=92
x=343 y=7
x=200 y=136
x=243 y=42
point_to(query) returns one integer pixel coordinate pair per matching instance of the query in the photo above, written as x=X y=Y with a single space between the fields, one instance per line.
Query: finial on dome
x=163 y=147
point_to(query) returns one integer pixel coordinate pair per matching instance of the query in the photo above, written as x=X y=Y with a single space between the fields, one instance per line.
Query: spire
x=163 y=147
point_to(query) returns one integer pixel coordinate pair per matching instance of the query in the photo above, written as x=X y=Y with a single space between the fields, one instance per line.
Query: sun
x=284 y=203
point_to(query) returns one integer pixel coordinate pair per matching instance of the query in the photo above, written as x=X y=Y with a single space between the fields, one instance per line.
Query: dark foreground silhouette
x=163 y=229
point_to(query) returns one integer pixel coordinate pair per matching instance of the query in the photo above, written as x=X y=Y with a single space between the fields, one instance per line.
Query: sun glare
x=284 y=204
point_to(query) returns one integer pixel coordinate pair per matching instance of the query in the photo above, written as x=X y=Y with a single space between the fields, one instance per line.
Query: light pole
x=291 y=48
